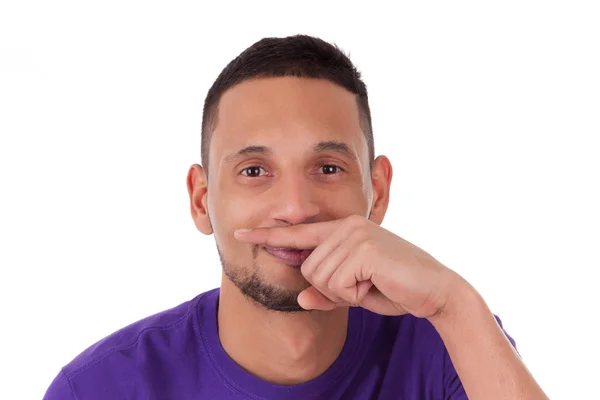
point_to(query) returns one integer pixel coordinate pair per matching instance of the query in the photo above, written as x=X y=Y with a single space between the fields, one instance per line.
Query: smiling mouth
x=291 y=257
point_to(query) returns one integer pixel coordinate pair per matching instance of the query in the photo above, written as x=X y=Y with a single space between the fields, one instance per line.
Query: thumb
x=312 y=299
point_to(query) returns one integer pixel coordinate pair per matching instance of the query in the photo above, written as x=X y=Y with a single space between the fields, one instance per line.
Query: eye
x=330 y=169
x=253 y=171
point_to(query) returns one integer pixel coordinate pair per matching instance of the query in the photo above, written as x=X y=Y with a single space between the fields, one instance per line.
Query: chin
x=267 y=281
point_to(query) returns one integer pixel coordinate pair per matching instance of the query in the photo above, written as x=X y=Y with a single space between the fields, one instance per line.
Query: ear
x=381 y=179
x=197 y=185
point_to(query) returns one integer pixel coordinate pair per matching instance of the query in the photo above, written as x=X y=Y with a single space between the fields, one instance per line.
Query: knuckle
x=331 y=286
x=368 y=245
x=316 y=279
x=358 y=235
x=356 y=221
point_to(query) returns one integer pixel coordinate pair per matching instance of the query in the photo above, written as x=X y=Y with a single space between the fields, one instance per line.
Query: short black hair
x=301 y=56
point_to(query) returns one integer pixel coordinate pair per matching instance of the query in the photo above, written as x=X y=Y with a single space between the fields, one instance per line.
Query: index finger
x=301 y=236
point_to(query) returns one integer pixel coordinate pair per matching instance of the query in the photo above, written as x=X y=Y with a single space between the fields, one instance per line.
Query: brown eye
x=252 y=171
x=330 y=169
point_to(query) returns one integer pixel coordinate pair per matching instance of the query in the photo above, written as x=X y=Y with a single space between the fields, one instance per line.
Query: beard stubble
x=254 y=287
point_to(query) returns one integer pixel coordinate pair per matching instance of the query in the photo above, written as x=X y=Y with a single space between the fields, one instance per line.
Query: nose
x=293 y=201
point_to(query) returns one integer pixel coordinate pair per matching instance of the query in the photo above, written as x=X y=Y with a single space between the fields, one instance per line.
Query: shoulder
x=156 y=329
x=158 y=339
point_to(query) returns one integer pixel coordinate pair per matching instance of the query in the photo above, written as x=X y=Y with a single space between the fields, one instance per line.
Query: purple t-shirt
x=177 y=355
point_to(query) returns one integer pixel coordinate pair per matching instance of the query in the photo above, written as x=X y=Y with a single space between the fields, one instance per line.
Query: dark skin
x=296 y=184
x=289 y=169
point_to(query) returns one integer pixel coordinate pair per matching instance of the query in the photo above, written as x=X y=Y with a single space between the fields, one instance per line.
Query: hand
x=357 y=262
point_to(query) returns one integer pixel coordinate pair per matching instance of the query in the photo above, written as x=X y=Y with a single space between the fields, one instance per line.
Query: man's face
x=284 y=151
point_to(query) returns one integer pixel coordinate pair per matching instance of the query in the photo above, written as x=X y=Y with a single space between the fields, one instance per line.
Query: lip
x=291 y=257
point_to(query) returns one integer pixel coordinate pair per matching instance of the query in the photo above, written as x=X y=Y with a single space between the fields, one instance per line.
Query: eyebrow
x=331 y=145
x=263 y=150
x=320 y=147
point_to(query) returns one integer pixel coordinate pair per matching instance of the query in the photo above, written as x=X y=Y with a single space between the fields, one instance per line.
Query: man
x=317 y=300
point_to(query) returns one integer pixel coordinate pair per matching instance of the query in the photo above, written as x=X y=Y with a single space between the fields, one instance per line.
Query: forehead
x=286 y=113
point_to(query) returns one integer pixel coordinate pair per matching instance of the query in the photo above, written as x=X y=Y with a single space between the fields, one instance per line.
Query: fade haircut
x=299 y=56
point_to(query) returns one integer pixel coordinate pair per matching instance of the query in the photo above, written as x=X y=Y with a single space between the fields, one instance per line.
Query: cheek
x=224 y=209
x=231 y=213
x=342 y=203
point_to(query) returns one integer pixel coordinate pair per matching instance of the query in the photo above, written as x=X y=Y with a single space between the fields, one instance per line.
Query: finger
x=319 y=275
x=352 y=280
x=301 y=236
x=321 y=252
x=378 y=303
x=312 y=299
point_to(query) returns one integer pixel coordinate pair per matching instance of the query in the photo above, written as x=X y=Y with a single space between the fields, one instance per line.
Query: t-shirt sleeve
x=453 y=386
x=59 y=389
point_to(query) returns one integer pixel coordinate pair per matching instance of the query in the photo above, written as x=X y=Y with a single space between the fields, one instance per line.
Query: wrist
x=462 y=301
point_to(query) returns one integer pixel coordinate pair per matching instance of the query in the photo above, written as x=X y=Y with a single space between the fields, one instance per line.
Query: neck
x=281 y=348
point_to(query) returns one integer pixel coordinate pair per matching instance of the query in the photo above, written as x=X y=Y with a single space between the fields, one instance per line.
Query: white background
x=488 y=111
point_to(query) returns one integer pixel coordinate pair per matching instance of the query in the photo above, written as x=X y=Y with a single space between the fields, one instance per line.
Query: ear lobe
x=197 y=185
x=381 y=179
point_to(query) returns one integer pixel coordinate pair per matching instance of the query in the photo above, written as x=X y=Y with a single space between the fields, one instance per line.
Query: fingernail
x=243 y=230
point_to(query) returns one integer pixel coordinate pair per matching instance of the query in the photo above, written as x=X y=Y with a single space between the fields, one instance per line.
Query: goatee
x=255 y=288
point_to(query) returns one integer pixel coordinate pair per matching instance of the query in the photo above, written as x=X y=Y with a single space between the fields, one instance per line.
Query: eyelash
x=339 y=169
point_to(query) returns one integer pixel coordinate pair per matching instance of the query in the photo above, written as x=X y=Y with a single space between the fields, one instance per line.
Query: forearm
x=485 y=361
